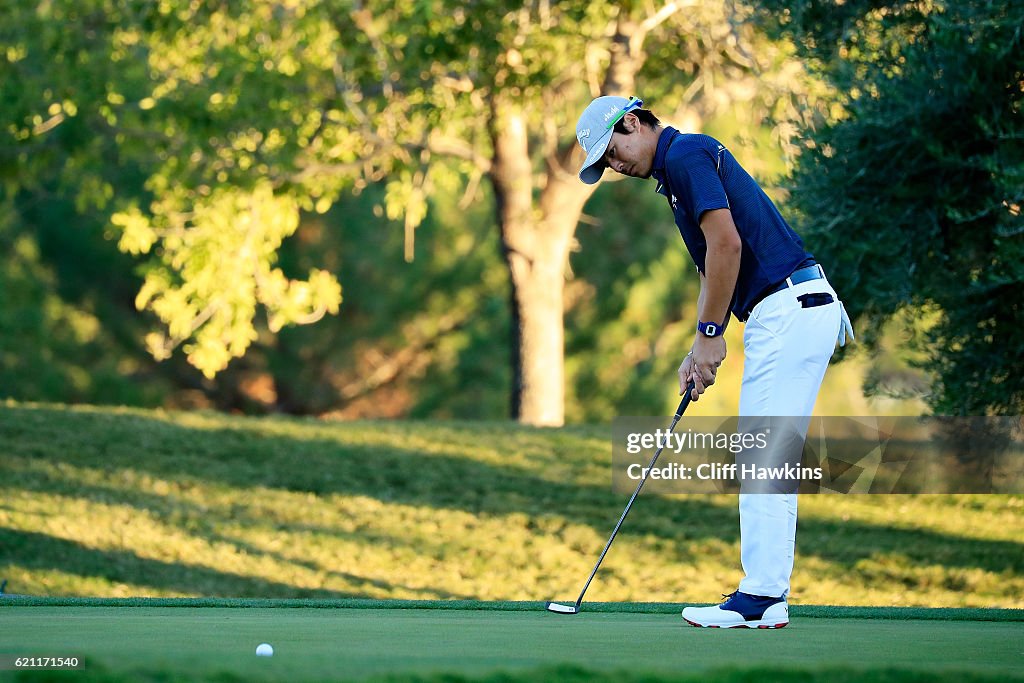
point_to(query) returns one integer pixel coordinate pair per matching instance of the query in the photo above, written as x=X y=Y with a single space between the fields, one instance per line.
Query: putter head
x=558 y=608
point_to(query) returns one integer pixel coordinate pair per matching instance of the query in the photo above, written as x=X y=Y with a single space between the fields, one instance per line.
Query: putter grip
x=685 y=401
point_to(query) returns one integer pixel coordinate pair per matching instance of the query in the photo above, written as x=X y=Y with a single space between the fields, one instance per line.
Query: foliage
x=179 y=92
x=913 y=191
x=505 y=109
x=427 y=338
x=66 y=333
x=441 y=510
x=237 y=244
x=203 y=132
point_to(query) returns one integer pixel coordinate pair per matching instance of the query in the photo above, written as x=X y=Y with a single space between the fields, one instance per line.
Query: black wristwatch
x=710 y=329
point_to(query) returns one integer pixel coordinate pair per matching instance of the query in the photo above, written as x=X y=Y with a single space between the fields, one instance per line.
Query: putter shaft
x=679 y=414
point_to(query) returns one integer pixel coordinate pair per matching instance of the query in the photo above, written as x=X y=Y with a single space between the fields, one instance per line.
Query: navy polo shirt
x=697 y=174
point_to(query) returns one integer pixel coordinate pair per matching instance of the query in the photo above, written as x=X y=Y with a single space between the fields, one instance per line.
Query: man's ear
x=631 y=123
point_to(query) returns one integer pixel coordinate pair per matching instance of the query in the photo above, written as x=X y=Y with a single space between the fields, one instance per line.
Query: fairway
x=359 y=644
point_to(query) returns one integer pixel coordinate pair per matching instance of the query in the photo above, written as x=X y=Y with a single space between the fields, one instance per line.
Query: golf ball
x=264 y=650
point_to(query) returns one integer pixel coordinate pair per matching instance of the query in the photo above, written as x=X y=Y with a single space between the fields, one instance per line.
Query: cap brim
x=594 y=165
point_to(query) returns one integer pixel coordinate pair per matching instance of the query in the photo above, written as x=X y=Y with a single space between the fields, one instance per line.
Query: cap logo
x=580 y=134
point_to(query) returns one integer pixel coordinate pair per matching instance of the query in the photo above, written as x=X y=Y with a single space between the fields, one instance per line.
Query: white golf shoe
x=741 y=610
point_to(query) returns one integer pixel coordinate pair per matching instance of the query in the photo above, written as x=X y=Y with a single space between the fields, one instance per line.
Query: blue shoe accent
x=751 y=607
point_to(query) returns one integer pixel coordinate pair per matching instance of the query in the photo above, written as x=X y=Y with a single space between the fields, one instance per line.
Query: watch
x=710 y=329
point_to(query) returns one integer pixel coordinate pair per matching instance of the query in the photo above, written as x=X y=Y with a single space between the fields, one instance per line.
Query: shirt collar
x=658 y=167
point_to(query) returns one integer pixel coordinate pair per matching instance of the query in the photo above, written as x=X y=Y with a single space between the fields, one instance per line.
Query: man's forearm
x=701 y=296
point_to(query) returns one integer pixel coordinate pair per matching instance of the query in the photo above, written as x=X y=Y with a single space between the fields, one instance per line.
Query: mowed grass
x=181 y=643
x=117 y=502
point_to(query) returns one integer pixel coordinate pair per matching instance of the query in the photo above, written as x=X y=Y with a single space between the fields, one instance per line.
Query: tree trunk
x=535 y=239
x=537 y=300
x=535 y=242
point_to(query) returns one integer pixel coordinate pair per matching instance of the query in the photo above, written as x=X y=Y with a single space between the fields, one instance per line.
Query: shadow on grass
x=40 y=551
x=174 y=514
x=337 y=459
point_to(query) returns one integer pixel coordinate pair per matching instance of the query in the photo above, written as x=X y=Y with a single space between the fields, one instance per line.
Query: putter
x=559 y=608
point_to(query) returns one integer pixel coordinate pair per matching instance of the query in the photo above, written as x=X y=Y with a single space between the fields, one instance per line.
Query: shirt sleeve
x=695 y=178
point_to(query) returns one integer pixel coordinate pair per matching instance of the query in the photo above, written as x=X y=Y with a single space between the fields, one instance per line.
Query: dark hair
x=646 y=117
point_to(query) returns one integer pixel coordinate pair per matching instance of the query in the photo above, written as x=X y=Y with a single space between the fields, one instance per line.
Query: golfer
x=754 y=267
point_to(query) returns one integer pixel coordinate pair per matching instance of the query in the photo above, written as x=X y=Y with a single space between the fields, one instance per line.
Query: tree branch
x=412 y=351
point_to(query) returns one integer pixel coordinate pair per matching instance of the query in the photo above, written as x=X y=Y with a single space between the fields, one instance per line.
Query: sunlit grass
x=117 y=502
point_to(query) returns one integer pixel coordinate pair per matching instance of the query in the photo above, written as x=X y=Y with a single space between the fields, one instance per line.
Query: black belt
x=805 y=274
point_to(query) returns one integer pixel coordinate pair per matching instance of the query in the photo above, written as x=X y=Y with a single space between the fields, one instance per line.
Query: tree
x=914 y=191
x=174 y=90
x=507 y=107
x=244 y=114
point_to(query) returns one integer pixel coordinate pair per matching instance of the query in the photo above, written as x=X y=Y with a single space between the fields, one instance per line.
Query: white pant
x=787 y=349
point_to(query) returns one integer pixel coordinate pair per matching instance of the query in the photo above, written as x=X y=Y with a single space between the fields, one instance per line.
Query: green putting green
x=321 y=644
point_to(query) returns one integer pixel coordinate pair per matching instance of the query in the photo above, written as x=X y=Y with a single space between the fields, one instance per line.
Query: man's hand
x=685 y=373
x=701 y=365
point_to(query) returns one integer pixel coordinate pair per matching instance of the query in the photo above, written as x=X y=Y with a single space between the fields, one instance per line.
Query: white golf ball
x=264 y=650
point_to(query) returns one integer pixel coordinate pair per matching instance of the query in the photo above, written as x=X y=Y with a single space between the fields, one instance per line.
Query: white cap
x=594 y=131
